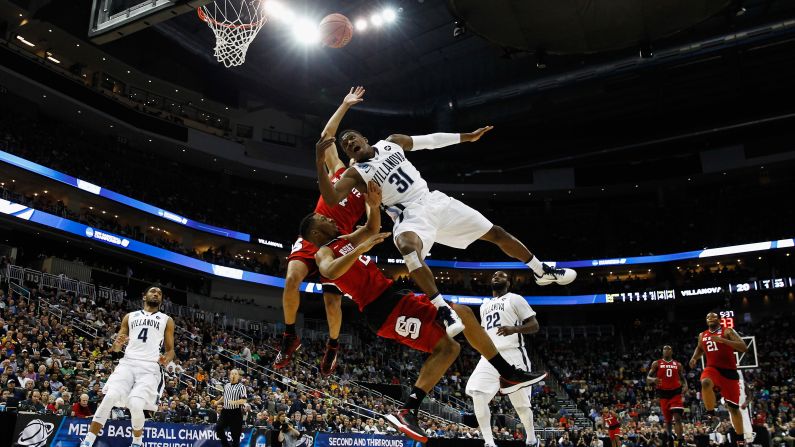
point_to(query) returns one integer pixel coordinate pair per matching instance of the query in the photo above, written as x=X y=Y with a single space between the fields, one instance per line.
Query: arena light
x=361 y=25
x=376 y=20
x=306 y=31
x=279 y=11
x=52 y=59
x=25 y=41
x=389 y=15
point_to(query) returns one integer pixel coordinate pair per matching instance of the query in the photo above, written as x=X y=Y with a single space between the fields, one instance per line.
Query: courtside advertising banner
x=360 y=440
x=34 y=430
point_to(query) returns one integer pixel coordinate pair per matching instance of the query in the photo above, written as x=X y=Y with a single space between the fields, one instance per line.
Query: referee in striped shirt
x=232 y=413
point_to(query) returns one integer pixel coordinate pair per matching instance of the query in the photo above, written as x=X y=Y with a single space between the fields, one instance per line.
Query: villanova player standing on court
x=137 y=382
x=506 y=318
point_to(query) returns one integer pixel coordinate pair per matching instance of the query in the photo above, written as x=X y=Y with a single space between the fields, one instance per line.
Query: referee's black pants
x=233 y=420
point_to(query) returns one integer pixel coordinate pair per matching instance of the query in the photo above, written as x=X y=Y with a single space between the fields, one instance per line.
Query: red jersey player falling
x=669 y=375
x=301 y=262
x=719 y=344
x=409 y=319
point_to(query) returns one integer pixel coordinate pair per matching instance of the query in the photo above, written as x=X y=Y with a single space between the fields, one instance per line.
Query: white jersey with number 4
x=147 y=332
x=507 y=310
x=400 y=182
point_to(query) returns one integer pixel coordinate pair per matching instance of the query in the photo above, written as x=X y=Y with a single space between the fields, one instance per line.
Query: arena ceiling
x=734 y=66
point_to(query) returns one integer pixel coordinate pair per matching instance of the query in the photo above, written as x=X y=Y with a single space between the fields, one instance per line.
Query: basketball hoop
x=235 y=24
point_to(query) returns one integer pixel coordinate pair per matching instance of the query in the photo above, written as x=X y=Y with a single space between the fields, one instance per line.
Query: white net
x=235 y=24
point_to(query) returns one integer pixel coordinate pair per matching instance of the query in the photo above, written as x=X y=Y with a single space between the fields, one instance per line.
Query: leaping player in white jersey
x=506 y=318
x=137 y=382
x=423 y=217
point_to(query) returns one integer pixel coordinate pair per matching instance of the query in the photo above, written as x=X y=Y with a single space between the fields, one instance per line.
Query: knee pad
x=136 y=406
x=107 y=404
x=412 y=261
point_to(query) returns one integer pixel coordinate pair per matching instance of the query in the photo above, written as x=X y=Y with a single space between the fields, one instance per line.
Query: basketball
x=335 y=30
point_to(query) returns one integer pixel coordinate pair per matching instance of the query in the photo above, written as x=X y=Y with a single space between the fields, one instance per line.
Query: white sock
x=138 y=440
x=483 y=415
x=439 y=301
x=536 y=266
x=90 y=437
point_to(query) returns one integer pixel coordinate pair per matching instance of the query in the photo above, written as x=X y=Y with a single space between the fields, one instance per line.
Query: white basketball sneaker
x=555 y=275
x=451 y=321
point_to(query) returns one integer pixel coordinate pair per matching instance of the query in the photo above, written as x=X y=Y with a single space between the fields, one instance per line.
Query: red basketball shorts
x=413 y=323
x=729 y=387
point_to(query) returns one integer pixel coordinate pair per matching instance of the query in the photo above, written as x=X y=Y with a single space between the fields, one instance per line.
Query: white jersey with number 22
x=507 y=310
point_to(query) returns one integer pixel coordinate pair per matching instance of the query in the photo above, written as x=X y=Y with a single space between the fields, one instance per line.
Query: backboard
x=745 y=360
x=113 y=19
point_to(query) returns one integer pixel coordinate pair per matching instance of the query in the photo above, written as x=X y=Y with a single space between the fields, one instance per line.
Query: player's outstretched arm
x=123 y=335
x=333 y=193
x=651 y=378
x=436 y=140
x=332 y=159
x=332 y=268
x=168 y=343
x=697 y=353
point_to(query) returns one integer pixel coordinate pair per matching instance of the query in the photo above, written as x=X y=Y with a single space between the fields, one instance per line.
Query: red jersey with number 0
x=363 y=282
x=668 y=374
x=347 y=212
x=719 y=355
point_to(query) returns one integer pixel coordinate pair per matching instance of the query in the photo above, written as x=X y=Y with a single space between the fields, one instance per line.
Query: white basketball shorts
x=437 y=217
x=486 y=379
x=133 y=378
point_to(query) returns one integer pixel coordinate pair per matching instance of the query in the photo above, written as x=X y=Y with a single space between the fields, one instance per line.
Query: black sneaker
x=290 y=344
x=450 y=320
x=556 y=275
x=406 y=422
x=519 y=379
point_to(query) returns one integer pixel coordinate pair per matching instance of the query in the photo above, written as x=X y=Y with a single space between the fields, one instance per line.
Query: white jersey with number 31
x=147 y=332
x=400 y=182
x=507 y=310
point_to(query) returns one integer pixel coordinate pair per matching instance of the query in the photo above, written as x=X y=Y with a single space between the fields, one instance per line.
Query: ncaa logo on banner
x=89 y=232
x=35 y=434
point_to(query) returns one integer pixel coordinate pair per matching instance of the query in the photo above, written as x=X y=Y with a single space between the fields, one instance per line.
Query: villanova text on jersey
x=386 y=167
x=145 y=322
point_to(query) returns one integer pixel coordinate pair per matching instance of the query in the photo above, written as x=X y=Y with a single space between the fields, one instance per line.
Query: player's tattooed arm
x=334 y=193
x=651 y=378
x=123 y=335
x=697 y=353
x=168 y=343
x=732 y=339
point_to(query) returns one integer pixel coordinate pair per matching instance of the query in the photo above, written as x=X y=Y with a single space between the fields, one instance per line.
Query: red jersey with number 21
x=363 y=282
x=668 y=374
x=719 y=355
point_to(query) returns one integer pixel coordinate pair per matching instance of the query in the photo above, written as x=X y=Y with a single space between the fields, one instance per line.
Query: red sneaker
x=406 y=422
x=329 y=363
x=290 y=344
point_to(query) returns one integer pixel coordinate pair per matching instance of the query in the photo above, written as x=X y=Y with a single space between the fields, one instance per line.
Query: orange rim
x=205 y=18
